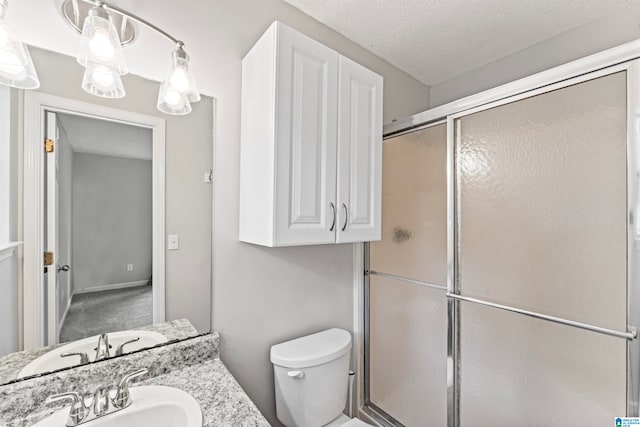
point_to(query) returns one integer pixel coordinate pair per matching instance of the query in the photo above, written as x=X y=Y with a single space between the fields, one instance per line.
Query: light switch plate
x=173 y=242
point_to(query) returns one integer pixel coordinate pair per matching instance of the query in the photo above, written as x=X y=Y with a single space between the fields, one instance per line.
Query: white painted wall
x=111 y=221
x=262 y=296
x=599 y=35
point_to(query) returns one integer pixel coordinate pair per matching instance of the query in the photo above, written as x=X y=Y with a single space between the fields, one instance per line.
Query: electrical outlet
x=129 y=267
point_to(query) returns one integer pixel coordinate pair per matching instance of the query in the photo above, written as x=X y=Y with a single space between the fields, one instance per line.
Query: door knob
x=63 y=268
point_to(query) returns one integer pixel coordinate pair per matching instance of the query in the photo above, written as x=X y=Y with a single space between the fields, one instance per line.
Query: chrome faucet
x=120 y=348
x=122 y=398
x=84 y=358
x=102 y=403
x=78 y=411
x=102 y=350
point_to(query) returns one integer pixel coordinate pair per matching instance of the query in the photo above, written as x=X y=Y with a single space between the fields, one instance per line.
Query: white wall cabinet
x=311 y=150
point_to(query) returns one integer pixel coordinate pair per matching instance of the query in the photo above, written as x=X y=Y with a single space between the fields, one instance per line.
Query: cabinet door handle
x=333 y=222
x=346 y=217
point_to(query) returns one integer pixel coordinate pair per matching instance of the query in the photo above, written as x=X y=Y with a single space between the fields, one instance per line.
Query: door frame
x=51 y=191
x=36 y=104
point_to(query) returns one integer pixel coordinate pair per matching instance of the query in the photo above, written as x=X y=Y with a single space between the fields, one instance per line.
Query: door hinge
x=48 y=258
x=48 y=145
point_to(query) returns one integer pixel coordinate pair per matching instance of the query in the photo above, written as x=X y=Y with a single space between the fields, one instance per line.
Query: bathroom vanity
x=16 y=365
x=191 y=365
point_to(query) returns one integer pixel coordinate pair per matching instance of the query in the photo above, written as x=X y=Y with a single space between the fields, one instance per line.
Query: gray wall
x=65 y=202
x=260 y=296
x=599 y=35
x=111 y=220
x=5 y=163
x=263 y=296
x=189 y=152
x=9 y=310
x=9 y=280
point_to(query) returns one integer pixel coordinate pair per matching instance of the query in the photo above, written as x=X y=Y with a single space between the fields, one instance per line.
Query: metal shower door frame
x=632 y=71
x=454 y=297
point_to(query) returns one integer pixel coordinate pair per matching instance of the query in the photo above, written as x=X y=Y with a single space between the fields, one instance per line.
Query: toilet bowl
x=311 y=380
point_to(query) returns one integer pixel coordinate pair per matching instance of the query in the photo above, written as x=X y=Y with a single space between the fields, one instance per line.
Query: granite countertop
x=223 y=401
x=12 y=364
x=192 y=365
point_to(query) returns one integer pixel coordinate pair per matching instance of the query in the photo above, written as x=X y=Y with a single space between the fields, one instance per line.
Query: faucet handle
x=120 y=348
x=78 y=410
x=123 y=397
x=84 y=358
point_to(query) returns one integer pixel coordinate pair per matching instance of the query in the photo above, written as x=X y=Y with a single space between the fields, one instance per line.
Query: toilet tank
x=311 y=378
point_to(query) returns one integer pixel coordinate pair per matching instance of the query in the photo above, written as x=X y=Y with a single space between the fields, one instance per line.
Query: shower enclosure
x=505 y=291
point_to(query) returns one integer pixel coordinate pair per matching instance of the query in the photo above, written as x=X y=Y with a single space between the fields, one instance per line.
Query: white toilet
x=312 y=378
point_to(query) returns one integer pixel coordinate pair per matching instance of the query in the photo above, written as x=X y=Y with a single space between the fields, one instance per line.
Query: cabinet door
x=359 y=153
x=306 y=117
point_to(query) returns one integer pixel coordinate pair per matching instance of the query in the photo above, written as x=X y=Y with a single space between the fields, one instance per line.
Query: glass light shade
x=100 y=43
x=173 y=101
x=180 y=75
x=16 y=67
x=102 y=81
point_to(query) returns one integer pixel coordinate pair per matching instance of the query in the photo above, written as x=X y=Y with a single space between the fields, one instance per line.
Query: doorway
x=105 y=231
x=98 y=220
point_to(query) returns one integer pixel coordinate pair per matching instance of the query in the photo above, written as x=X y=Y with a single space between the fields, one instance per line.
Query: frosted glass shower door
x=541 y=187
x=407 y=287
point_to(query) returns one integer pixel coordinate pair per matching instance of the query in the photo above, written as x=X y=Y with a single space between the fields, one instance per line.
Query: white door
x=306 y=131
x=359 y=153
x=51 y=244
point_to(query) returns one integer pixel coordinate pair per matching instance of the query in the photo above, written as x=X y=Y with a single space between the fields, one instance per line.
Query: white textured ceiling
x=436 y=40
x=433 y=40
x=94 y=136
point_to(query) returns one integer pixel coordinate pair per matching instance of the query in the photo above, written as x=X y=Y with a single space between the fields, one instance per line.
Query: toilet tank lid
x=312 y=350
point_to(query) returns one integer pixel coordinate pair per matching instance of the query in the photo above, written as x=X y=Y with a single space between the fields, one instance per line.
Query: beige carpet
x=107 y=311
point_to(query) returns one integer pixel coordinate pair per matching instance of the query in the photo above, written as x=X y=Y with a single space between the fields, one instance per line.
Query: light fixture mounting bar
x=135 y=18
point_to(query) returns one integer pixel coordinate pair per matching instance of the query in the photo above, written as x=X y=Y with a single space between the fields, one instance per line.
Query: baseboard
x=111 y=287
x=64 y=316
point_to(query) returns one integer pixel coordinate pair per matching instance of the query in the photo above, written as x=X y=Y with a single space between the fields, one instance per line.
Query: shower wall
x=539 y=223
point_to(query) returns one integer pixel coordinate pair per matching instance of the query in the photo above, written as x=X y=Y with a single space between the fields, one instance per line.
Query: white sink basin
x=152 y=406
x=52 y=361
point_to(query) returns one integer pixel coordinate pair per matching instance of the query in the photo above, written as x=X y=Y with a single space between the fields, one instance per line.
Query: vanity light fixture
x=16 y=66
x=105 y=29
